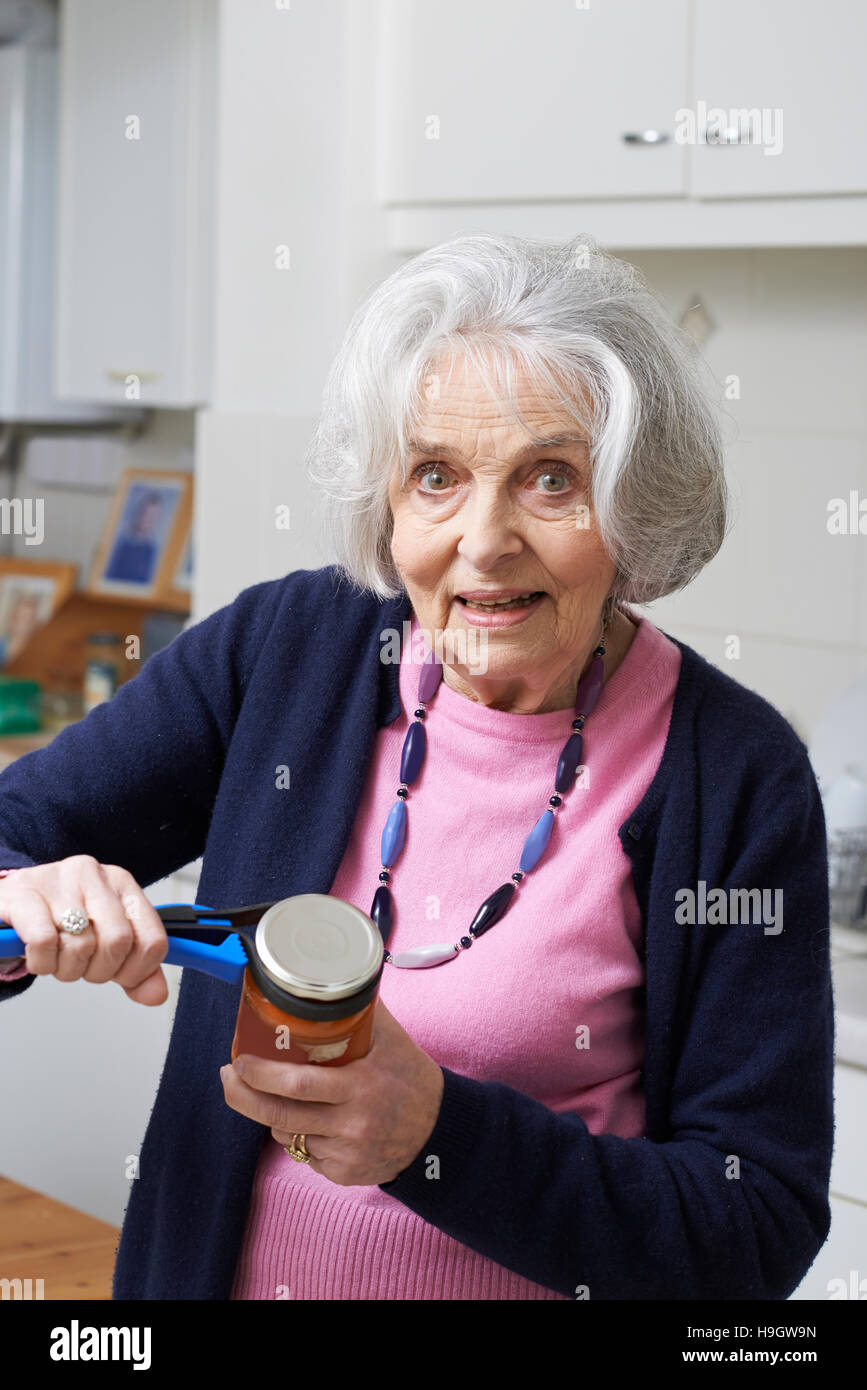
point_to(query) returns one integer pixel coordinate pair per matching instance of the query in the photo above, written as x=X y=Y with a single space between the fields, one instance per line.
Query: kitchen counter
x=41 y=1239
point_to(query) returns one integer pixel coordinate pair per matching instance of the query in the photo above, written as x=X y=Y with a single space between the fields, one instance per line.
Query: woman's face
x=483 y=509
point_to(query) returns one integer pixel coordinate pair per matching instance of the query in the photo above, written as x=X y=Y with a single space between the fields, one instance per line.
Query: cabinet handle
x=646 y=137
x=731 y=135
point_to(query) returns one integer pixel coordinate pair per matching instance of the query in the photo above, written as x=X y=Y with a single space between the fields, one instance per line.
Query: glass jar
x=310 y=987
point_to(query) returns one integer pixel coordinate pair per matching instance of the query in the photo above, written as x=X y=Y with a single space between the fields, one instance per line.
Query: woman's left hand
x=364 y=1122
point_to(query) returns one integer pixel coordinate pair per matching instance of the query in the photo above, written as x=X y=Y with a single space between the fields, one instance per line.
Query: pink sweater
x=515 y=1007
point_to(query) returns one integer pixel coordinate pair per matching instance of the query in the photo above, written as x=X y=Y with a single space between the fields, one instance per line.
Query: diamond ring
x=74 y=921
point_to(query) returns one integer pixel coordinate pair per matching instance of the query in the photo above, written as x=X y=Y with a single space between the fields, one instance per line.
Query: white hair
x=577 y=320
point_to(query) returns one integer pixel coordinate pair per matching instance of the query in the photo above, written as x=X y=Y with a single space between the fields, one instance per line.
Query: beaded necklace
x=394 y=832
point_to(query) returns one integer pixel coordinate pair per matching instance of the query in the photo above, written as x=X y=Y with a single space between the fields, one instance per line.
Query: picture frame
x=31 y=591
x=144 y=549
x=182 y=579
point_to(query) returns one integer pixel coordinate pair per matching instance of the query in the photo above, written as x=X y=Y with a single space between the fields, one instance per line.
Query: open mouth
x=522 y=601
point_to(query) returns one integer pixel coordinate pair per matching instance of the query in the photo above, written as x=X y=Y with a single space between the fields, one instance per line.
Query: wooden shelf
x=55 y=654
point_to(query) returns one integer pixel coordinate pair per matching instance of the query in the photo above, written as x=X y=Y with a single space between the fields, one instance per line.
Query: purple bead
x=394 y=834
x=430 y=677
x=537 y=841
x=414 y=748
x=570 y=761
x=589 y=687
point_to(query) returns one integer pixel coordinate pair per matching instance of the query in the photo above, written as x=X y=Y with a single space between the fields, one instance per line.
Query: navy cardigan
x=726 y=1196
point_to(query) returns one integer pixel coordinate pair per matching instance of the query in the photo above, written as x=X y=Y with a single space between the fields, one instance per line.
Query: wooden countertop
x=42 y=1239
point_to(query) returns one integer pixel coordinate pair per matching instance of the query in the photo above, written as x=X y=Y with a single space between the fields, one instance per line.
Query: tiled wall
x=791 y=325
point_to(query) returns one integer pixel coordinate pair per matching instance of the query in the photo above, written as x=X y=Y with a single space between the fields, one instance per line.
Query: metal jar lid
x=318 y=947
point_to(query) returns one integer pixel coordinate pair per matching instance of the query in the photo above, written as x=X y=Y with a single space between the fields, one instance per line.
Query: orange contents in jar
x=310 y=987
x=264 y=1030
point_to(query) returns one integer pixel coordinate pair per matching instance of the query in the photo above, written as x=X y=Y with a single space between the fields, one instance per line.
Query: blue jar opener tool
x=200 y=938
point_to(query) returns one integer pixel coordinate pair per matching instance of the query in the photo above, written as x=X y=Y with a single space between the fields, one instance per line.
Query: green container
x=19 y=706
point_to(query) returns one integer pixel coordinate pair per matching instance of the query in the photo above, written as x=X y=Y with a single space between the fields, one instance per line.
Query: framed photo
x=182 y=580
x=30 y=594
x=144 y=547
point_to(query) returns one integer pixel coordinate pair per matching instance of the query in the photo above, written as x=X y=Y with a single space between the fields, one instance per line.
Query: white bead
x=422 y=956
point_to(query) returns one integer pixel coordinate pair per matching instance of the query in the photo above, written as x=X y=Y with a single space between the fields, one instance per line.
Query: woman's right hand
x=126 y=941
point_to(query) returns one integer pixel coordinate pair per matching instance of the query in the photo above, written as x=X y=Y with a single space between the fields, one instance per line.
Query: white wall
x=792 y=326
x=296 y=170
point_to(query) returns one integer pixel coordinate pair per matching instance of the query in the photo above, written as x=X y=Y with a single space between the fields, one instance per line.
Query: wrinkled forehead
x=524 y=404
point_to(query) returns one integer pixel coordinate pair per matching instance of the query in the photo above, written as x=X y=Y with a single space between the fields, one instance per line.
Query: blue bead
x=536 y=842
x=394 y=834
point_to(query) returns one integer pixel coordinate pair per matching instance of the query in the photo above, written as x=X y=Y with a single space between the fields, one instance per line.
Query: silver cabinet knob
x=646 y=137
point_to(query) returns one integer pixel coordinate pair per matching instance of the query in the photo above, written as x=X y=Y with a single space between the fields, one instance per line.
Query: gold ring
x=299 y=1151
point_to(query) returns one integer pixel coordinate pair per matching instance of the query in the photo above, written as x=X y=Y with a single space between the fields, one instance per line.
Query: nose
x=488 y=529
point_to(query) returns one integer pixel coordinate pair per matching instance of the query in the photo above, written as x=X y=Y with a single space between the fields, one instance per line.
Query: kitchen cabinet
x=136 y=201
x=681 y=123
x=799 y=68
x=28 y=155
x=527 y=100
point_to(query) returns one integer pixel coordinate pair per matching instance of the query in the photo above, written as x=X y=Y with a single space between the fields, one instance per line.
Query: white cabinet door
x=530 y=99
x=136 y=186
x=28 y=159
x=799 y=69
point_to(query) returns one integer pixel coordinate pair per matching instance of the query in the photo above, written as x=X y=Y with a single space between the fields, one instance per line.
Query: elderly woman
x=602 y=1056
